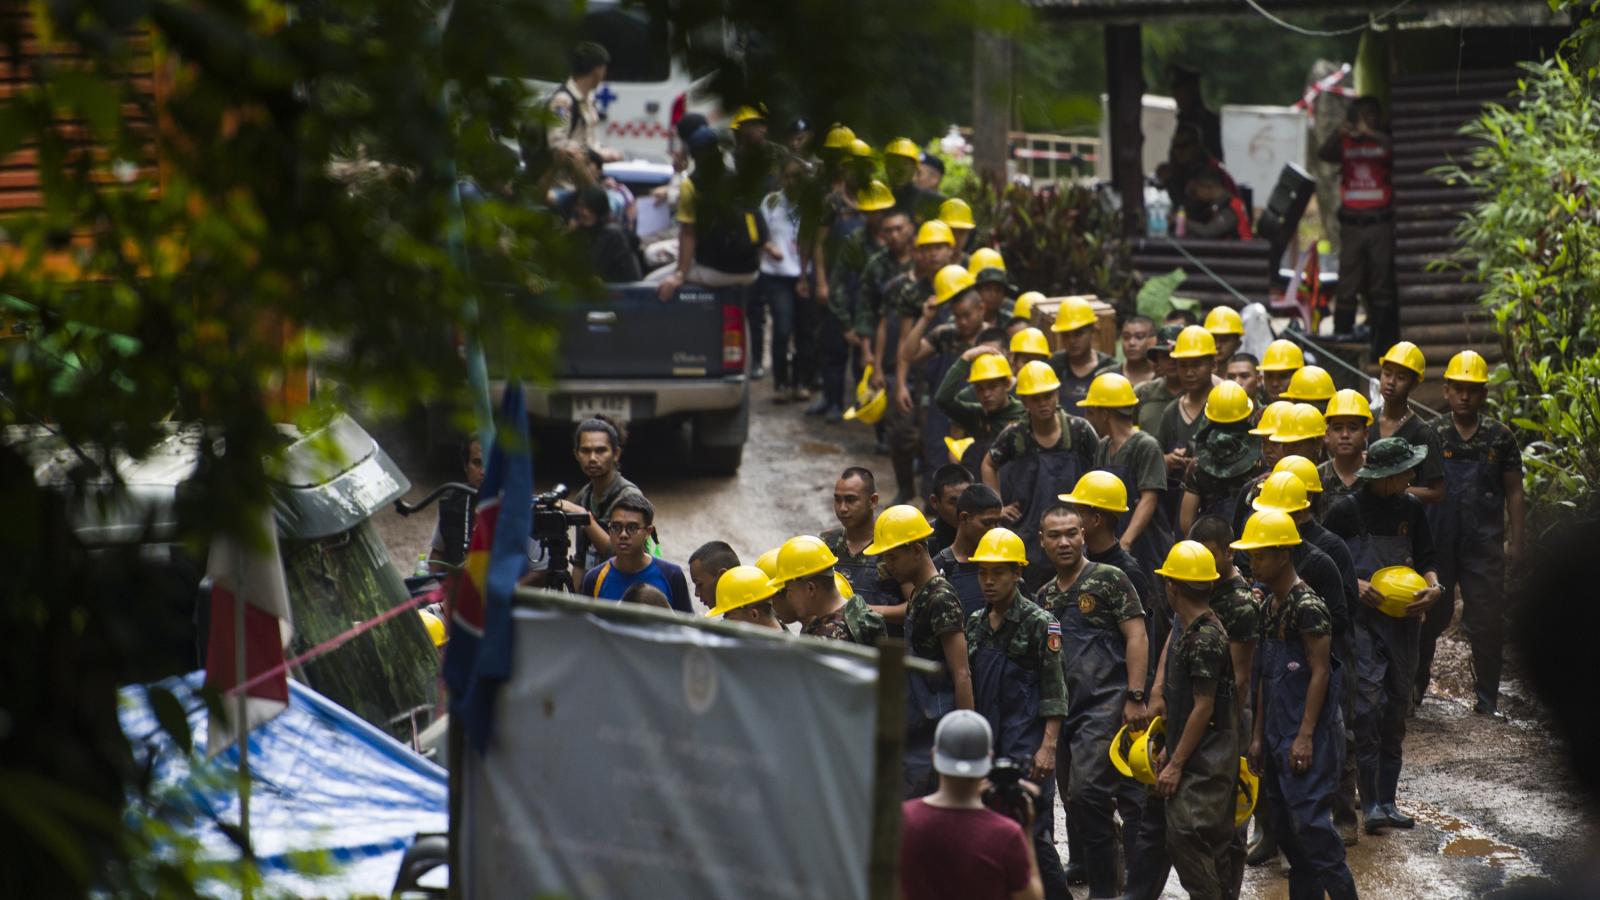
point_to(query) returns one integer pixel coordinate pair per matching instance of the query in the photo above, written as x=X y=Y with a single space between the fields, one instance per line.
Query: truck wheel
x=719 y=460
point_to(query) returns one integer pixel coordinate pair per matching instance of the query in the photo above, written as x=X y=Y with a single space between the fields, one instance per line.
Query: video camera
x=1005 y=793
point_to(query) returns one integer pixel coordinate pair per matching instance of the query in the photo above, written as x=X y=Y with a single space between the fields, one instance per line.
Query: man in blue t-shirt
x=629 y=529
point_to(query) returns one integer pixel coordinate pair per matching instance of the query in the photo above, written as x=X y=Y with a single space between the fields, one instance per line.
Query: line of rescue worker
x=1286 y=637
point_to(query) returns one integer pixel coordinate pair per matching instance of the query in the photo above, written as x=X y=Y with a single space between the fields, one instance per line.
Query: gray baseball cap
x=962 y=745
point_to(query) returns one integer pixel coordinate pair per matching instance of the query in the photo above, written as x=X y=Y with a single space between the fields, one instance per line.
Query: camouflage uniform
x=1199 y=816
x=1303 y=613
x=865 y=573
x=1074 y=388
x=1420 y=434
x=969 y=414
x=1025 y=637
x=854 y=622
x=1332 y=484
x=880 y=271
x=933 y=612
x=1154 y=398
x=847 y=263
x=902 y=430
x=1236 y=605
x=1016 y=440
x=1217 y=492
x=1103 y=595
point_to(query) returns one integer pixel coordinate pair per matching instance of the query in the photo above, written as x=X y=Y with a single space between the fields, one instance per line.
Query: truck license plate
x=590 y=405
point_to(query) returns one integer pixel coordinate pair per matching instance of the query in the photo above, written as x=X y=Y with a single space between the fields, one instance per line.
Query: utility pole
x=991 y=102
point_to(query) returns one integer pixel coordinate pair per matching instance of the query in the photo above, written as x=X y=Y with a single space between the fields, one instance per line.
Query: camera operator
x=631 y=518
x=951 y=844
x=597 y=445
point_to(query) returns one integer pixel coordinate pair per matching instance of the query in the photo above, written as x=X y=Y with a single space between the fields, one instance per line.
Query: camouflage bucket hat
x=1166 y=336
x=1226 y=454
x=992 y=275
x=1391 y=456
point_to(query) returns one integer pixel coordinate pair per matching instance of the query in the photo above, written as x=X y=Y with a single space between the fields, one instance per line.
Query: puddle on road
x=820 y=448
x=1464 y=841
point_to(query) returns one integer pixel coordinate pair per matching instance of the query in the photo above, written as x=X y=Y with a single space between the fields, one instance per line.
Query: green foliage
x=1533 y=240
x=1058 y=241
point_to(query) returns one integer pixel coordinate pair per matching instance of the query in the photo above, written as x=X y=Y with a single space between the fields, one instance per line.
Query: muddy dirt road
x=1491 y=796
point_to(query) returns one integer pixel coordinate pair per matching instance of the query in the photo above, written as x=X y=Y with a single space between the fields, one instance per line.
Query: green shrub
x=1058 y=241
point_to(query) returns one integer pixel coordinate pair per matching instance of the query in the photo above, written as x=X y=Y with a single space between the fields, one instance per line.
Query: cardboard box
x=1105 y=332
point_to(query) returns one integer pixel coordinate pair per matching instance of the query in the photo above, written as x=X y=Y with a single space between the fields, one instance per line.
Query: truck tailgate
x=633 y=334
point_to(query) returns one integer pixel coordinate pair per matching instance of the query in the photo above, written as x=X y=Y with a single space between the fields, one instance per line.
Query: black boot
x=905 y=479
x=1388 y=786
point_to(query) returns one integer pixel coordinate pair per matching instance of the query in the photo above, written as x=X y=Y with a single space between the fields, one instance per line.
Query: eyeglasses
x=628 y=528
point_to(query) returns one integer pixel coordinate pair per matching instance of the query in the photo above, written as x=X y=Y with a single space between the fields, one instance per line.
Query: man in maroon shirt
x=951 y=845
x=1364 y=152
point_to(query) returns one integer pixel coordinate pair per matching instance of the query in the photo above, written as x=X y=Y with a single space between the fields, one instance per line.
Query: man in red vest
x=1365 y=154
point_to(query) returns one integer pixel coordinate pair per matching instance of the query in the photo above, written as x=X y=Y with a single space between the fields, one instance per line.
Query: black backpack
x=729 y=231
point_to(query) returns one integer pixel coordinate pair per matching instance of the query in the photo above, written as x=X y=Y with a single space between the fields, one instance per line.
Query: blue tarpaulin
x=322 y=780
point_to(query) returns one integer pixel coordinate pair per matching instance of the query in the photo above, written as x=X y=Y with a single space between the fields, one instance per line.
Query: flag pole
x=242 y=724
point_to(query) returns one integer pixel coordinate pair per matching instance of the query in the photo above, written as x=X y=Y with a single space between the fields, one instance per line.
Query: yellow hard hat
x=1270 y=417
x=1268 y=528
x=1282 y=356
x=801 y=556
x=1468 y=367
x=1349 y=403
x=1300 y=422
x=903 y=147
x=839 y=137
x=1099 y=489
x=1399 y=586
x=768 y=563
x=1304 y=469
x=1190 y=561
x=957 y=214
x=843 y=585
x=875 y=196
x=864 y=386
x=870 y=412
x=988 y=367
x=957 y=447
x=860 y=149
x=1024 y=306
x=1283 y=492
x=1228 y=402
x=1407 y=355
x=1074 y=313
x=1132 y=754
x=1110 y=390
x=435 y=626
x=1037 y=377
x=950 y=281
x=739 y=587
x=1030 y=341
x=1311 y=384
x=1245 y=792
x=986 y=258
x=1224 y=320
x=1001 y=545
x=747 y=114
x=1194 y=342
x=896 y=527
x=934 y=231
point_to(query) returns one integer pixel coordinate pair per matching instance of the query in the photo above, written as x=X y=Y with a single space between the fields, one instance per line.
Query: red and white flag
x=253 y=574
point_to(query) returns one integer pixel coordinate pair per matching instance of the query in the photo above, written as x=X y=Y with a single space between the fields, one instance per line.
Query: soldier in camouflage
x=904 y=301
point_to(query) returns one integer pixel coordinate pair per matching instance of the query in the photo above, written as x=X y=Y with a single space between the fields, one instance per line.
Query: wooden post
x=455 y=738
x=1125 y=93
x=991 y=103
x=883 y=874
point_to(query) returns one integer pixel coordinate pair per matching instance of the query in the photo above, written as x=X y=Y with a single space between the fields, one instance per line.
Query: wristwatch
x=1138 y=696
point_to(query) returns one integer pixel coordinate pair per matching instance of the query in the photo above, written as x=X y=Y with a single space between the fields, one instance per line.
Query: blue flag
x=478 y=658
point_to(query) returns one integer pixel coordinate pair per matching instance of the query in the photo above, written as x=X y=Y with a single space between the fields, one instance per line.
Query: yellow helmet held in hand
x=1407 y=355
x=903 y=147
x=1270 y=417
x=1037 y=378
x=1224 y=320
x=1110 y=390
x=1349 y=403
x=1194 y=342
x=435 y=626
x=870 y=412
x=874 y=197
x=1282 y=492
x=896 y=527
x=1133 y=753
x=839 y=137
x=1074 y=313
x=1098 y=489
x=1468 y=367
x=747 y=114
x=1228 y=402
x=801 y=556
x=1300 y=422
x=1310 y=384
x=957 y=214
x=986 y=258
x=1030 y=341
x=1024 y=306
x=934 y=231
x=768 y=563
x=988 y=367
x=1190 y=561
x=1399 y=586
x=1269 y=528
x=957 y=447
x=1245 y=792
x=1001 y=545
x=1304 y=469
x=951 y=281
x=739 y=587
x=1282 y=356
